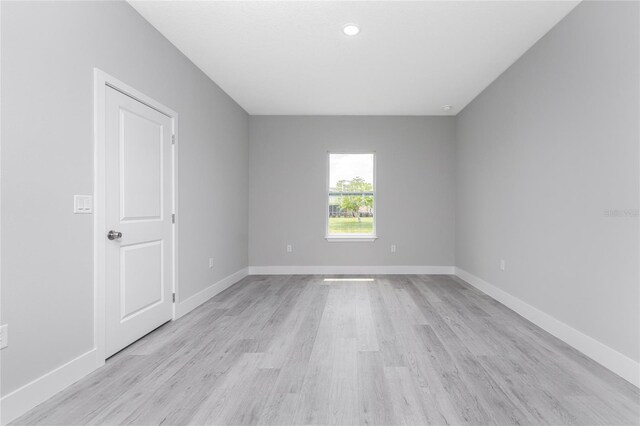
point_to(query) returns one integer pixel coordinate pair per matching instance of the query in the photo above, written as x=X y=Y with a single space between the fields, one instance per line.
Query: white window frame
x=361 y=238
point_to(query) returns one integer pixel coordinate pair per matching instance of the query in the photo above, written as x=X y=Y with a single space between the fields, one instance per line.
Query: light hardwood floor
x=282 y=350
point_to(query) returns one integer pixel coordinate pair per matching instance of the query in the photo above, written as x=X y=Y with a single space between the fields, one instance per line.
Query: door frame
x=102 y=81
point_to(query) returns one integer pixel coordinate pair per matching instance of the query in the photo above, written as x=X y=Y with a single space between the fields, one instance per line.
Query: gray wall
x=48 y=54
x=415 y=189
x=542 y=153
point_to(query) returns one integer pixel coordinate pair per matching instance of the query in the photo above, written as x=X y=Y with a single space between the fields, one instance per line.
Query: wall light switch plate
x=289 y=248
x=503 y=265
x=4 y=336
x=211 y=262
x=393 y=248
x=82 y=204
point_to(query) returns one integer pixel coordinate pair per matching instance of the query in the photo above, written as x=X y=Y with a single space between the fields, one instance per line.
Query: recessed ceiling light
x=351 y=30
x=447 y=107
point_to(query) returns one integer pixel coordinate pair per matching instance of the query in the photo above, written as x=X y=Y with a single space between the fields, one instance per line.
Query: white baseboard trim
x=189 y=304
x=608 y=357
x=44 y=387
x=355 y=270
x=39 y=390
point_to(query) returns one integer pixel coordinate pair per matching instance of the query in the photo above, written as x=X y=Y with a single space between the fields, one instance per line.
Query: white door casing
x=134 y=273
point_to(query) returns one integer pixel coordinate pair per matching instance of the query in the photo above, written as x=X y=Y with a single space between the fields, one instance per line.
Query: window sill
x=351 y=238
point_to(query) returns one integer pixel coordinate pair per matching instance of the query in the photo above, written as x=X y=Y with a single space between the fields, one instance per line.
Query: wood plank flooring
x=283 y=350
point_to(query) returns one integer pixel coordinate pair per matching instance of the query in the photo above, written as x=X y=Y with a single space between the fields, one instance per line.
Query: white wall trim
x=39 y=390
x=608 y=357
x=326 y=270
x=184 y=307
x=44 y=387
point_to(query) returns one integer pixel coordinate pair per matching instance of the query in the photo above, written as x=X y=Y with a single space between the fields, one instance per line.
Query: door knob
x=114 y=235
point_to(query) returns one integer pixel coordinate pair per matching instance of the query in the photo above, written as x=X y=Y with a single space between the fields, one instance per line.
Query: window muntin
x=351 y=195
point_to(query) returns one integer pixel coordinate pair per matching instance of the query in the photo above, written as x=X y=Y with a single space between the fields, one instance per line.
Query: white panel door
x=139 y=202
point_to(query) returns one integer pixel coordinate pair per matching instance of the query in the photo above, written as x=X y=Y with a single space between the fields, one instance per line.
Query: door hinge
x=173 y=139
x=174 y=298
x=173 y=218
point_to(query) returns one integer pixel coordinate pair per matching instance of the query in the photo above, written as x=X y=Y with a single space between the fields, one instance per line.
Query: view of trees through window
x=351 y=194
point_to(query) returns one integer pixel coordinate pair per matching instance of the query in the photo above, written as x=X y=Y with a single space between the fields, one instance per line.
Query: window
x=351 y=197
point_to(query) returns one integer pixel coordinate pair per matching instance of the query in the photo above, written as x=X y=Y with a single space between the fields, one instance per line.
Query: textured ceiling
x=410 y=58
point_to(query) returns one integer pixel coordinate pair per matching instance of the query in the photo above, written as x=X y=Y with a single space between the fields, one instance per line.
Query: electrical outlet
x=4 y=336
x=503 y=265
x=211 y=262
x=289 y=248
x=393 y=248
